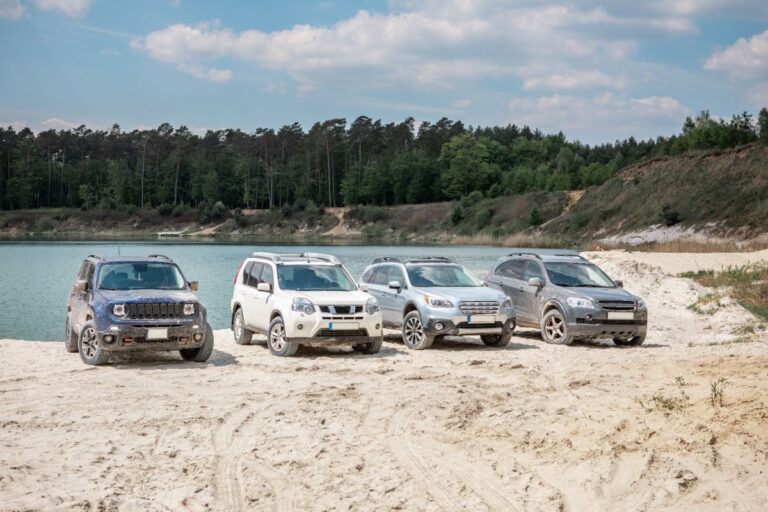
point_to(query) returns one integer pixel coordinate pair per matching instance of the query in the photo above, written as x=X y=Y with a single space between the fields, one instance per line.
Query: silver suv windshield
x=575 y=275
x=446 y=276
x=314 y=278
x=140 y=276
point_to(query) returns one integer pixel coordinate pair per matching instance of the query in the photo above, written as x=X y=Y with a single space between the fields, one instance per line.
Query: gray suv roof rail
x=160 y=256
x=427 y=259
x=570 y=255
x=280 y=258
x=525 y=254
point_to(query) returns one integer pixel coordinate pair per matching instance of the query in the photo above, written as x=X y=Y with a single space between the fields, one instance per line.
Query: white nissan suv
x=297 y=299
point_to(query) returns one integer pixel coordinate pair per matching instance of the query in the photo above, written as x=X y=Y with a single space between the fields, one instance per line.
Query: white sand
x=457 y=427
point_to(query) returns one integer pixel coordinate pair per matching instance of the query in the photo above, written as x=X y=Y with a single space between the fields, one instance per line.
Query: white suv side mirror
x=264 y=287
x=363 y=287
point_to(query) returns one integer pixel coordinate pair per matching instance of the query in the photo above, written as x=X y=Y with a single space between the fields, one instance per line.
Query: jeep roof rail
x=428 y=259
x=385 y=259
x=163 y=256
x=281 y=258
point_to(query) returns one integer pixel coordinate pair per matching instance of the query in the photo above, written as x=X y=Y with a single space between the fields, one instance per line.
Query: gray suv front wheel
x=554 y=328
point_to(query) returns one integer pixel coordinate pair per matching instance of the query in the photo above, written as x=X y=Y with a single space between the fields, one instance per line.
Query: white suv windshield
x=140 y=276
x=448 y=276
x=314 y=278
x=577 y=275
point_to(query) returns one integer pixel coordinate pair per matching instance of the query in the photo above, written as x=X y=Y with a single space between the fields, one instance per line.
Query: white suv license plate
x=343 y=326
x=480 y=319
x=157 y=334
x=621 y=315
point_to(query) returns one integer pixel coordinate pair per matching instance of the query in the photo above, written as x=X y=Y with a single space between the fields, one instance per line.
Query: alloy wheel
x=277 y=337
x=414 y=331
x=89 y=344
x=239 y=325
x=555 y=328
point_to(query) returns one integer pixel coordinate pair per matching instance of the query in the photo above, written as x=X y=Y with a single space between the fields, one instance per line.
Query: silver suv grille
x=617 y=305
x=480 y=307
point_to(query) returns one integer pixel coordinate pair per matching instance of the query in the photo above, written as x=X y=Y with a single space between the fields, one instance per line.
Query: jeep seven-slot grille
x=617 y=305
x=480 y=307
x=155 y=311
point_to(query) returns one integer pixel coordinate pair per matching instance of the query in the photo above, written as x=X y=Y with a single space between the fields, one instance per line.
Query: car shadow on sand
x=460 y=343
x=535 y=335
x=164 y=360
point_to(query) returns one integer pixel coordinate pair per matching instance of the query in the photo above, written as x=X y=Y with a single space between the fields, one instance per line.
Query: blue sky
x=598 y=71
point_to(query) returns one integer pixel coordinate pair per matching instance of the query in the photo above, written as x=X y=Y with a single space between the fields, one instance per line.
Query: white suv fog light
x=439 y=326
x=378 y=326
x=299 y=326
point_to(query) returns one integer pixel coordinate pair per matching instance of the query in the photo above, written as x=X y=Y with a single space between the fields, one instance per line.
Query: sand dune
x=457 y=427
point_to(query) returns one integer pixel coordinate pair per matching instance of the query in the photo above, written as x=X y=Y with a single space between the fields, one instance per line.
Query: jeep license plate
x=343 y=326
x=157 y=334
x=480 y=319
x=621 y=315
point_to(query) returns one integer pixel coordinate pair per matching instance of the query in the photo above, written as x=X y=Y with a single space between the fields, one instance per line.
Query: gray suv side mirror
x=618 y=283
x=535 y=282
x=395 y=285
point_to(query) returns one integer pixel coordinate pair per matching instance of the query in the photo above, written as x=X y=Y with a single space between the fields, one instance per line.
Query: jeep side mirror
x=264 y=287
x=395 y=285
x=81 y=285
x=194 y=285
x=363 y=287
x=618 y=283
x=535 y=282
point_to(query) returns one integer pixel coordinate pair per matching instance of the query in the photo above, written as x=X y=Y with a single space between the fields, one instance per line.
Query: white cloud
x=16 y=125
x=73 y=8
x=54 y=123
x=210 y=74
x=745 y=59
x=462 y=103
x=11 y=9
x=577 y=79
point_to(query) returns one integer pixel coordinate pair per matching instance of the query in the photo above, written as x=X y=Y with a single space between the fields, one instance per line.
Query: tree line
x=332 y=164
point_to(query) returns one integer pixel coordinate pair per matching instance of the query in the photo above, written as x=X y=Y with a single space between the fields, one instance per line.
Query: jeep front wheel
x=554 y=329
x=414 y=336
x=276 y=340
x=91 y=352
x=202 y=353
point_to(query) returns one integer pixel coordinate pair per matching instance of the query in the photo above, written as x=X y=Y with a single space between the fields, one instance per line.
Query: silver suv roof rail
x=160 y=256
x=281 y=258
x=384 y=259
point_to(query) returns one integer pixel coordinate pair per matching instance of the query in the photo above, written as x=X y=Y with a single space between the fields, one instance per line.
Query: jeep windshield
x=441 y=276
x=314 y=278
x=140 y=276
x=577 y=275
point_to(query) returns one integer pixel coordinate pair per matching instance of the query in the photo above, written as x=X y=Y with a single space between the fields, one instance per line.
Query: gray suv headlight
x=579 y=302
x=372 y=306
x=437 y=302
x=303 y=305
x=118 y=309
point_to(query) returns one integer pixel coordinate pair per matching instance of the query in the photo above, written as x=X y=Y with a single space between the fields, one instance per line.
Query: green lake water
x=36 y=277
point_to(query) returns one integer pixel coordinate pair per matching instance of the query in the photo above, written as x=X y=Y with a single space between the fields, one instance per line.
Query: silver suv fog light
x=439 y=326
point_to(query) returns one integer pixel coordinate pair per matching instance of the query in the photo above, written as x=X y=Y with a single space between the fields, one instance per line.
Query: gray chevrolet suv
x=432 y=297
x=569 y=298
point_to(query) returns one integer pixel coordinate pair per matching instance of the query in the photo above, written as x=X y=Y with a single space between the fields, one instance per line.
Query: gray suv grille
x=617 y=305
x=481 y=307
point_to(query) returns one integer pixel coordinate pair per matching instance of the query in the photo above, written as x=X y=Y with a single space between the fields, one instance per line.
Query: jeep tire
x=202 y=353
x=70 y=338
x=91 y=352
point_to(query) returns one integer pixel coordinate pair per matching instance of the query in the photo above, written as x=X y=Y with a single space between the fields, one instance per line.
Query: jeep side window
x=512 y=269
x=267 y=275
x=532 y=269
x=247 y=272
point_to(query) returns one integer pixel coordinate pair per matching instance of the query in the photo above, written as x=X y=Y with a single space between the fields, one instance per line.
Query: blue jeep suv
x=121 y=304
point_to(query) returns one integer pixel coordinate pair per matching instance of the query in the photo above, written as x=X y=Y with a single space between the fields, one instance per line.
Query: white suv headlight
x=303 y=305
x=437 y=302
x=372 y=306
x=189 y=309
x=507 y=303
x=118 y=309
x=578 y=302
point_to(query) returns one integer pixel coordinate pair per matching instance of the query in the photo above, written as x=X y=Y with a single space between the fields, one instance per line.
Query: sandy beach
x=457 y=427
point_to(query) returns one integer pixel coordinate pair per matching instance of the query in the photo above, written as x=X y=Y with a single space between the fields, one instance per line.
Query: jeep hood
x=464 y=293
x=138 y=296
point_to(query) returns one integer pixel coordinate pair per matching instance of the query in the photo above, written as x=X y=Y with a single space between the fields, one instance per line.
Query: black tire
x=496 y=340
x=634 y=341
x=369 y=348
x=276 y=341
x=413 y=333
x=91 y=352
x=243 y=336
x=70 y=338
x=202 y=353
x=554 y=328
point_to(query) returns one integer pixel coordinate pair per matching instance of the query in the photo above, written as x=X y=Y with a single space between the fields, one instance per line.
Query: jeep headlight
x=437 y=302
x=372 y=306
x=118 y=309
x=303 y=305
x=189 y=309
x=579 y=302
x=507 y=303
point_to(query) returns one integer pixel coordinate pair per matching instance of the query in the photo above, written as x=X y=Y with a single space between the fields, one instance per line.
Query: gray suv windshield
x=577 y=275
x=428 y=276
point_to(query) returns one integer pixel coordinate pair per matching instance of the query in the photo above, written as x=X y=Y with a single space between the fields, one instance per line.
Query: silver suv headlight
x=437 y=302
x=303 y=305
x=189 y=309
x=579 y=302
x=507 y=303
x=372 y=306
x=118 y=309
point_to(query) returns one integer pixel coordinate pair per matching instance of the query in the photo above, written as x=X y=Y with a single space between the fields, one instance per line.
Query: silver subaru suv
x=569 y=298
x=432 y=297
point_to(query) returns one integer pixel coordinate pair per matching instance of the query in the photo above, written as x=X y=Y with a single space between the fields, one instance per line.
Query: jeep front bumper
x=131 y=337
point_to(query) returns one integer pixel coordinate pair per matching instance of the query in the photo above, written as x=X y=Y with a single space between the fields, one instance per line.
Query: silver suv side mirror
x=395 y=285
x=264 y=287
x=535 y=282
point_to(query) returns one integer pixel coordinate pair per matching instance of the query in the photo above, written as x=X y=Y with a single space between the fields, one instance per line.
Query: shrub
x=535 y=217
x=669 y=215
x=165 y=209
x=219 y=210
x=457 y=215
x=483 y=217
x=180 y=210
x=473 y=198
x=368 y=214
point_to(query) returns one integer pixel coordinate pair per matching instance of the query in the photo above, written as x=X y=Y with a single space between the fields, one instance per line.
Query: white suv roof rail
x=281 y=258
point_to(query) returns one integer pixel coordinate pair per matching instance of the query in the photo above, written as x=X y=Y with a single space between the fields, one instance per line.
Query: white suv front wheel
x=278 y=345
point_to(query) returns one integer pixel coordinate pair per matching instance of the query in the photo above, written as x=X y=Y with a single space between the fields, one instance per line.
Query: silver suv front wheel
x=414 y=336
